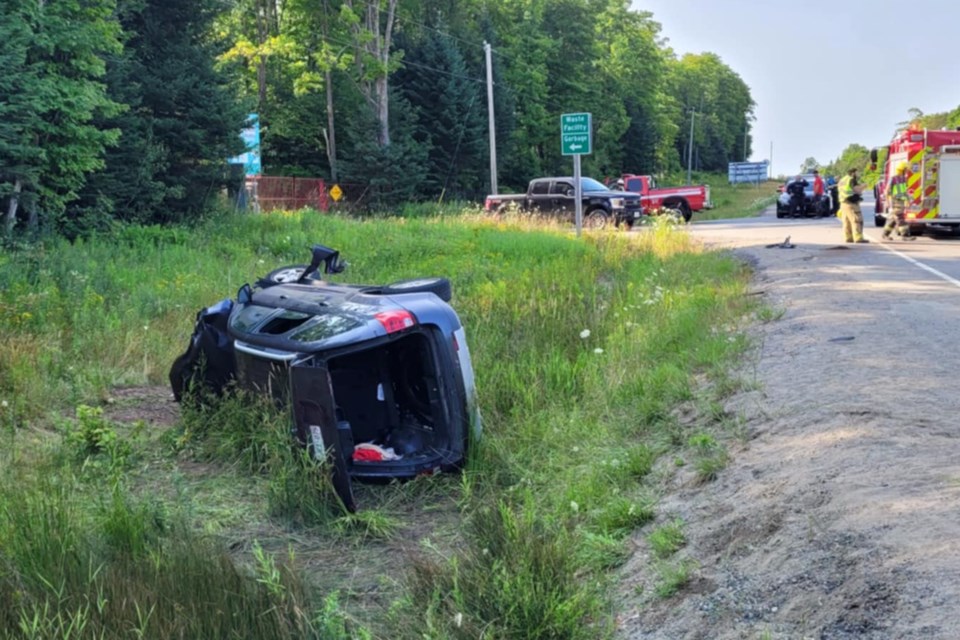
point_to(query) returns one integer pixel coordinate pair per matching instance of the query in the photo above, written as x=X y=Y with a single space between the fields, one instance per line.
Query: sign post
x=576 y=139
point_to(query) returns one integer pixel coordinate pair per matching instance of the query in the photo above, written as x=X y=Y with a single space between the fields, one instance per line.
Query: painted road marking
x=917 y=263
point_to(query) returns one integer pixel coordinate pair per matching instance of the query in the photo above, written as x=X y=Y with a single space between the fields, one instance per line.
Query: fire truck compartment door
x=950 y=186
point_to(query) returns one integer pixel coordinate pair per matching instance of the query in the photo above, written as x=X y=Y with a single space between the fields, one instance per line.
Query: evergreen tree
x=450 y=113
x=184 y=121
x=49 y=99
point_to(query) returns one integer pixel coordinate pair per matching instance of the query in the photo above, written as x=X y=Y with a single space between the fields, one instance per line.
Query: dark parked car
x=557 y=197
x=378 y=378
x=810 y=207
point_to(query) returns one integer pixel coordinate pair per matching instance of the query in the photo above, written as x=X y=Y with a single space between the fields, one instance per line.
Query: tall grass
x=584 y=351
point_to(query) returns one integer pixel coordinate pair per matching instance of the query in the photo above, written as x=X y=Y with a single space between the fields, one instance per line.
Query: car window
x=589 y=184
x=561 y=188
x=540 y=187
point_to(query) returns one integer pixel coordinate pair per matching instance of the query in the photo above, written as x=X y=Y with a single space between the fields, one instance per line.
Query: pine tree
x=450 y=112
x=183 y=122
x=50 y=97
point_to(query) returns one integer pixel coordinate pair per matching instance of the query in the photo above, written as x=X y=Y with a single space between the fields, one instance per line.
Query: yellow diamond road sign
x=336 y=192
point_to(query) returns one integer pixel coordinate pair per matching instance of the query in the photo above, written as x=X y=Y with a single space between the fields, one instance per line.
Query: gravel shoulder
x=837 y=516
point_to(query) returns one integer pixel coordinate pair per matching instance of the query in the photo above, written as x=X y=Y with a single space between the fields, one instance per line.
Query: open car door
x=316 y=423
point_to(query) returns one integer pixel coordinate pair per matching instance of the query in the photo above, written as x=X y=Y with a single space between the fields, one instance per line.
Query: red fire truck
x=933 y=178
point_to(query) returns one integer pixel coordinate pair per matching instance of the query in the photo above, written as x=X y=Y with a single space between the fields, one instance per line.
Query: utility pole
x=493 y=130
x=771 y=160
x=693 y=113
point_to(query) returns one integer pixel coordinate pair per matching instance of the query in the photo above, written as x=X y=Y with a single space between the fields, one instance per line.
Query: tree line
x=857 y=155
x=127 y=109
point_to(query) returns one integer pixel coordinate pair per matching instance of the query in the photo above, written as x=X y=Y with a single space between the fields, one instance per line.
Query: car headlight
x=616 y=203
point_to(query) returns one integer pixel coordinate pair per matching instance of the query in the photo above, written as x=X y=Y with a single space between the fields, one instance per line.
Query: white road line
x=917 y=263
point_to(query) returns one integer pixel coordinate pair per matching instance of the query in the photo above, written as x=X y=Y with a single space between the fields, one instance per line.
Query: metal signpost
x=576 y=139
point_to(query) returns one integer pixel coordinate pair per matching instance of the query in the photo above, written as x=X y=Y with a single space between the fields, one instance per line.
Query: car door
x=540 y=198
x=315 y=421
x=563 y=196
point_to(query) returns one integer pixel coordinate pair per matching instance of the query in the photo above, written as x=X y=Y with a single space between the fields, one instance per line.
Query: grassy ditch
x=601 y=364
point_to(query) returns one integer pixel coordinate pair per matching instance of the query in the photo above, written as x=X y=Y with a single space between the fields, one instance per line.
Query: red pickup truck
x=686 y=200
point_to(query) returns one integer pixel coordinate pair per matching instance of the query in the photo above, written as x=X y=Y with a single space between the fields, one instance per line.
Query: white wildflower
x=458 y=620
x=598 y=350
x=4 y=404
x=585 y=334
x=574 y=507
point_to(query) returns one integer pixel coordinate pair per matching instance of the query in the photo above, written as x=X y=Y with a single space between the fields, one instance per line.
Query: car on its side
x=377 y=378
x=811 y=207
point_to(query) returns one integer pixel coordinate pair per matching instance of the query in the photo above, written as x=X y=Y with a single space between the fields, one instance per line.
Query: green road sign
x=576 y=134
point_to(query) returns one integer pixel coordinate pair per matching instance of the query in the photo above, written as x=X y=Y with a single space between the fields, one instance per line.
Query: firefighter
x=896 y=196
x=850 y=189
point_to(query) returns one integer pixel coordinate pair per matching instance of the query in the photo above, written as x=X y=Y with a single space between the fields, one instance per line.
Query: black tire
x=780 y=212
x=682 y=207
x=287 y=274
x=439 y=286
x=595 y=219
x=676 y=214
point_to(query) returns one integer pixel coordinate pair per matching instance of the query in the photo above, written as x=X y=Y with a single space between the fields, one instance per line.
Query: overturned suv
x=378 y=379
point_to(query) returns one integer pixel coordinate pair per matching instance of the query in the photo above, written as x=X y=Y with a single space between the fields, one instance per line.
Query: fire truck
x=933 y=178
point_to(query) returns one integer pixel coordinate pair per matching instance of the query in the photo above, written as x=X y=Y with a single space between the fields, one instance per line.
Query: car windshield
x=589 y=184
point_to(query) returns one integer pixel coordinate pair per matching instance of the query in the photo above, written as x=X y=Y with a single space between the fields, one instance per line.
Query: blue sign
x=250 y=159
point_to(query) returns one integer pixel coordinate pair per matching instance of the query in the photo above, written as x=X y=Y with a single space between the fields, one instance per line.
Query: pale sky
x=824 y=74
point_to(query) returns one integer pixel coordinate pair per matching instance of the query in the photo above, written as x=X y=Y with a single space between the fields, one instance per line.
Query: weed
x=672 y=576
x=621 y=515
x=710 y=456
x=768 y=314
x=667 y=539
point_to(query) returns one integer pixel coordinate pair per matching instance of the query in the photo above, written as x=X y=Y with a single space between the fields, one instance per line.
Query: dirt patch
x=837 y=517
x=154 y=405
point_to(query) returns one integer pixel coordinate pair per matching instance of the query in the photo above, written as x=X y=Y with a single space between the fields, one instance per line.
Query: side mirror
x=329 y=257
x=245 y=294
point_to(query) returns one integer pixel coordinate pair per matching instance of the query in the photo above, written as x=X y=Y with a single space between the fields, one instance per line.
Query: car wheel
x=686 y=212
x=595 y=219
x=290 y=273
x=674 y=214
x=781 y=213
x=439 y=286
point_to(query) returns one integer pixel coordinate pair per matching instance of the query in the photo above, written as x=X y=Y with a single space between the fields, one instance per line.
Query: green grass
x=667 y=539
x=584 y=349
x=731 y=200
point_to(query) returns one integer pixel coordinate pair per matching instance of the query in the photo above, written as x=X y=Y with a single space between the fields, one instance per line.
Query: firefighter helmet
x=901 y=166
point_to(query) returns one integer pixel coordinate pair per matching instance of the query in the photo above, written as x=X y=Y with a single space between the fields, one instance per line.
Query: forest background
x=126 y=110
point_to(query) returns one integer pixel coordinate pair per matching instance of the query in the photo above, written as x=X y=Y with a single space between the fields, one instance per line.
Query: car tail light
x=394 y=321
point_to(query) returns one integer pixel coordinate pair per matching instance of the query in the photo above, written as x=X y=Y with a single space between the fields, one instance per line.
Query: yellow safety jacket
x=898 y=188
x=845 y=188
